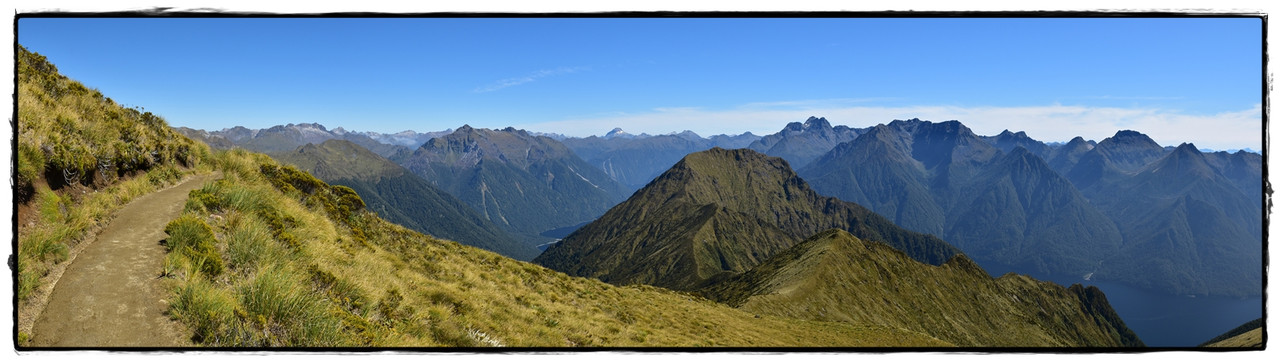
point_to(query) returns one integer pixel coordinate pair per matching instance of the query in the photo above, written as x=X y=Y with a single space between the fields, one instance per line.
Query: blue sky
x=1177 y=79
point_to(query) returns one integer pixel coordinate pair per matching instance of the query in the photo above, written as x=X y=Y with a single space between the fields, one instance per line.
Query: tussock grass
x=249 y=243
x=193 y=238
x=279 y=303
x=208 y=311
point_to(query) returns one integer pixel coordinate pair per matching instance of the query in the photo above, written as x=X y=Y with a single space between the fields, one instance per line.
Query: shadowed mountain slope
x=940 y=178
x=1187 y=228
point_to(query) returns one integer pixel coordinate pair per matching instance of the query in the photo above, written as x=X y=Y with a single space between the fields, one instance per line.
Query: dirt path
x=111 y=295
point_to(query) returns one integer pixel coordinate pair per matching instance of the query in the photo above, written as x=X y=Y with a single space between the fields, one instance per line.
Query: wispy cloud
x=511 y=82
x=1135 y=98
x=1049 y=123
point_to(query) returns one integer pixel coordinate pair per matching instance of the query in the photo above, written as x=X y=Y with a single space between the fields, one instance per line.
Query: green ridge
x=835 y=276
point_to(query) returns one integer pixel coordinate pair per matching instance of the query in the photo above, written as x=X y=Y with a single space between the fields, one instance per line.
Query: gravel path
x=111 y=295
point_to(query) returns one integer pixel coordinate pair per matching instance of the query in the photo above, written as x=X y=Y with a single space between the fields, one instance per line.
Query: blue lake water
x=1163 y=320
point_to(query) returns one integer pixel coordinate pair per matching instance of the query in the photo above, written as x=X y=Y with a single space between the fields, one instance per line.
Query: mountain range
x=283 y=138
x=942 y=179
x=1192 y=221
x=399 y=196
x=633 y=160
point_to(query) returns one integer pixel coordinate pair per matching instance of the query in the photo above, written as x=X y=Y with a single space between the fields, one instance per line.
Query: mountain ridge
x=716 y=213
x=835 y=276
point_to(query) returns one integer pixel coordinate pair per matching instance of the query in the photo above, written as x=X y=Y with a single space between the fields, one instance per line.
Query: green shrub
x=164 y=175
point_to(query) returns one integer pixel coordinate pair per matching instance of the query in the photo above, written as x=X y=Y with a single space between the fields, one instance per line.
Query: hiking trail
x=111 y=293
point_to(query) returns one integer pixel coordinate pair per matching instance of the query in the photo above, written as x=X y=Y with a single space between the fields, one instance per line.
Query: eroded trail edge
x=110 y=295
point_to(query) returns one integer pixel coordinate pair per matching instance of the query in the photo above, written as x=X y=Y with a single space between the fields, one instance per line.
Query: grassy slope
x=1238 y=336
x=384 y=285
x=80 y=157
x=834 y=276
x=1249 y=339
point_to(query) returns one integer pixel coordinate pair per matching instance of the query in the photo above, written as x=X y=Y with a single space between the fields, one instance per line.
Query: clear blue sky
x=1177 y=79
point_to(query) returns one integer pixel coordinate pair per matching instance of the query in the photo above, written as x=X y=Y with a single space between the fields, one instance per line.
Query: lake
x=1164 y=320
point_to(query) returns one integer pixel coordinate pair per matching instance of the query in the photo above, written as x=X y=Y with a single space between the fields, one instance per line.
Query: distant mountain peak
x=311 y=125
x=1128 y=133
x=689 y=135
x=1078 y=144
x=1015 y=135
x=1133 y=138
x=1187 y=147
x=793 y=127
x=816 y=122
